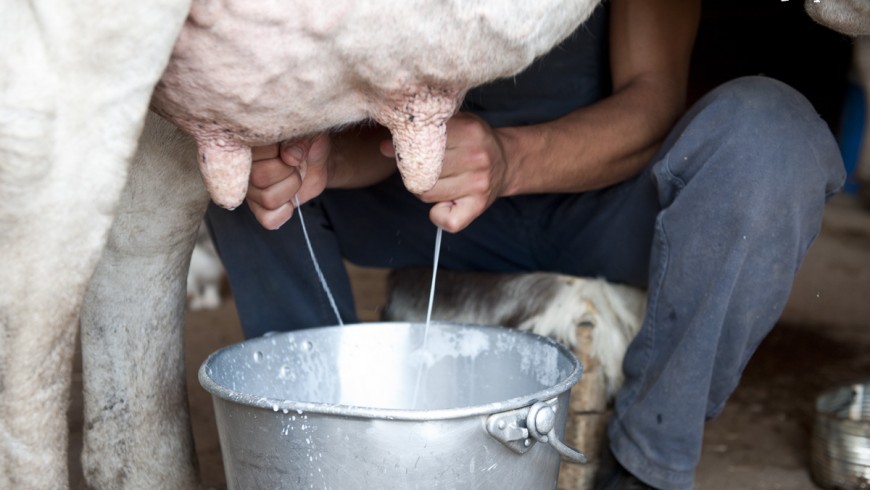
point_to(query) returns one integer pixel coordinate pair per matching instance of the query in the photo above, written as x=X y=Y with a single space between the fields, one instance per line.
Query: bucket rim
x=835 y=402
x=279 y=405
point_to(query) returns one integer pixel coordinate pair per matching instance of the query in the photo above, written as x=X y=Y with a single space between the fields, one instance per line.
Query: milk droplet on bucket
x=258 y=356
x=306 y=345
x=286 y=372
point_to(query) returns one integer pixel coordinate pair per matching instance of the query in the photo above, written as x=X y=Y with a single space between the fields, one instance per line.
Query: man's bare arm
x=605 y=143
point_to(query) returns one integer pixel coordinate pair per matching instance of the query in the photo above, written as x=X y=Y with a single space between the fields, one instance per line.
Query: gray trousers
x=715 y=227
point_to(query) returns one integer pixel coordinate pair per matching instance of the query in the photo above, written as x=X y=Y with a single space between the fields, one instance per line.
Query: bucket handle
x=519 y=430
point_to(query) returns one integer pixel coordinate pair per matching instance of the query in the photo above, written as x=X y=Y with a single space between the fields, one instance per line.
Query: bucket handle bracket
x=519 y=430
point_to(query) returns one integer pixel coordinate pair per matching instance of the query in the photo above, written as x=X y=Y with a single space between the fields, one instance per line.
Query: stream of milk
x=314 y=261
x=428 y=315
x=335 y=308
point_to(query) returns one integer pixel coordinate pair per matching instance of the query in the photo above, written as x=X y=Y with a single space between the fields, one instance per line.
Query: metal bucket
x=367 y=406
x=841 y=438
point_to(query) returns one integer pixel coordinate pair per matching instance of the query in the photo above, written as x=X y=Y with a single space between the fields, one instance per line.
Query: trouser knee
x=763 y=140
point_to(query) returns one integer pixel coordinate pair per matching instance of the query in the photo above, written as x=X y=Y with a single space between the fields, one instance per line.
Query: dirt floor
x=760 y=441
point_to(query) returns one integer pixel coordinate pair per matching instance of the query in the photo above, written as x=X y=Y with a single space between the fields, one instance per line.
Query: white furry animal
x=544 y=303
x=90 y=232
x=205 y=275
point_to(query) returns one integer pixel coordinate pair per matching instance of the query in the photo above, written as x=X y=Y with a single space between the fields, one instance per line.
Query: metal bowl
x=841 y=438
x=393 y=406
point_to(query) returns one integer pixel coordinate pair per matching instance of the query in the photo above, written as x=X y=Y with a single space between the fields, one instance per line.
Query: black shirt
x=574 y=74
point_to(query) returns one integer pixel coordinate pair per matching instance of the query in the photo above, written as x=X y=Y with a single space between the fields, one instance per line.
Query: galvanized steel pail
x=369 y=406
x=841 y=438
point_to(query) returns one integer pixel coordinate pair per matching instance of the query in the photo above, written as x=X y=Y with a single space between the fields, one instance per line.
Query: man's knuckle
x=272 y=201
x=478 y=183
x=259 y=180
x=454 y=224
x=475 y=157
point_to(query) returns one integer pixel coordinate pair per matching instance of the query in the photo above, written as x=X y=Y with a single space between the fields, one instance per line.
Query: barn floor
x=760 y=441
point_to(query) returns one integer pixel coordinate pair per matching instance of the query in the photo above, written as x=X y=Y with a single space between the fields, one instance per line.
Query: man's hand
x=473 y=176
x=280 y=172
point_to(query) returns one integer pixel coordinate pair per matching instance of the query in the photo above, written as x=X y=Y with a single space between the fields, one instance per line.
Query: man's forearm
x=593 y=147
x=605 y=143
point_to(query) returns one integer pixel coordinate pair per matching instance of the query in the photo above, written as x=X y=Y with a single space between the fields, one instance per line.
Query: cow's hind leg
x=44 y=268
x=137 y=432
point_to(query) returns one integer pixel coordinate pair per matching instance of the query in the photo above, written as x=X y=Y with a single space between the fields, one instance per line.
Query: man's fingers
x=319 y=150
x=454 y=216
x=282 y=172
x=293 y=153
x=276 y=195
x=450 y=188
x=312 y=151
x=266 y=173
x=313 y=184
x=271 y=219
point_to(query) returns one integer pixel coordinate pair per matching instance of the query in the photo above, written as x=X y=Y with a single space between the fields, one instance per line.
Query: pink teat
x=225 y=167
